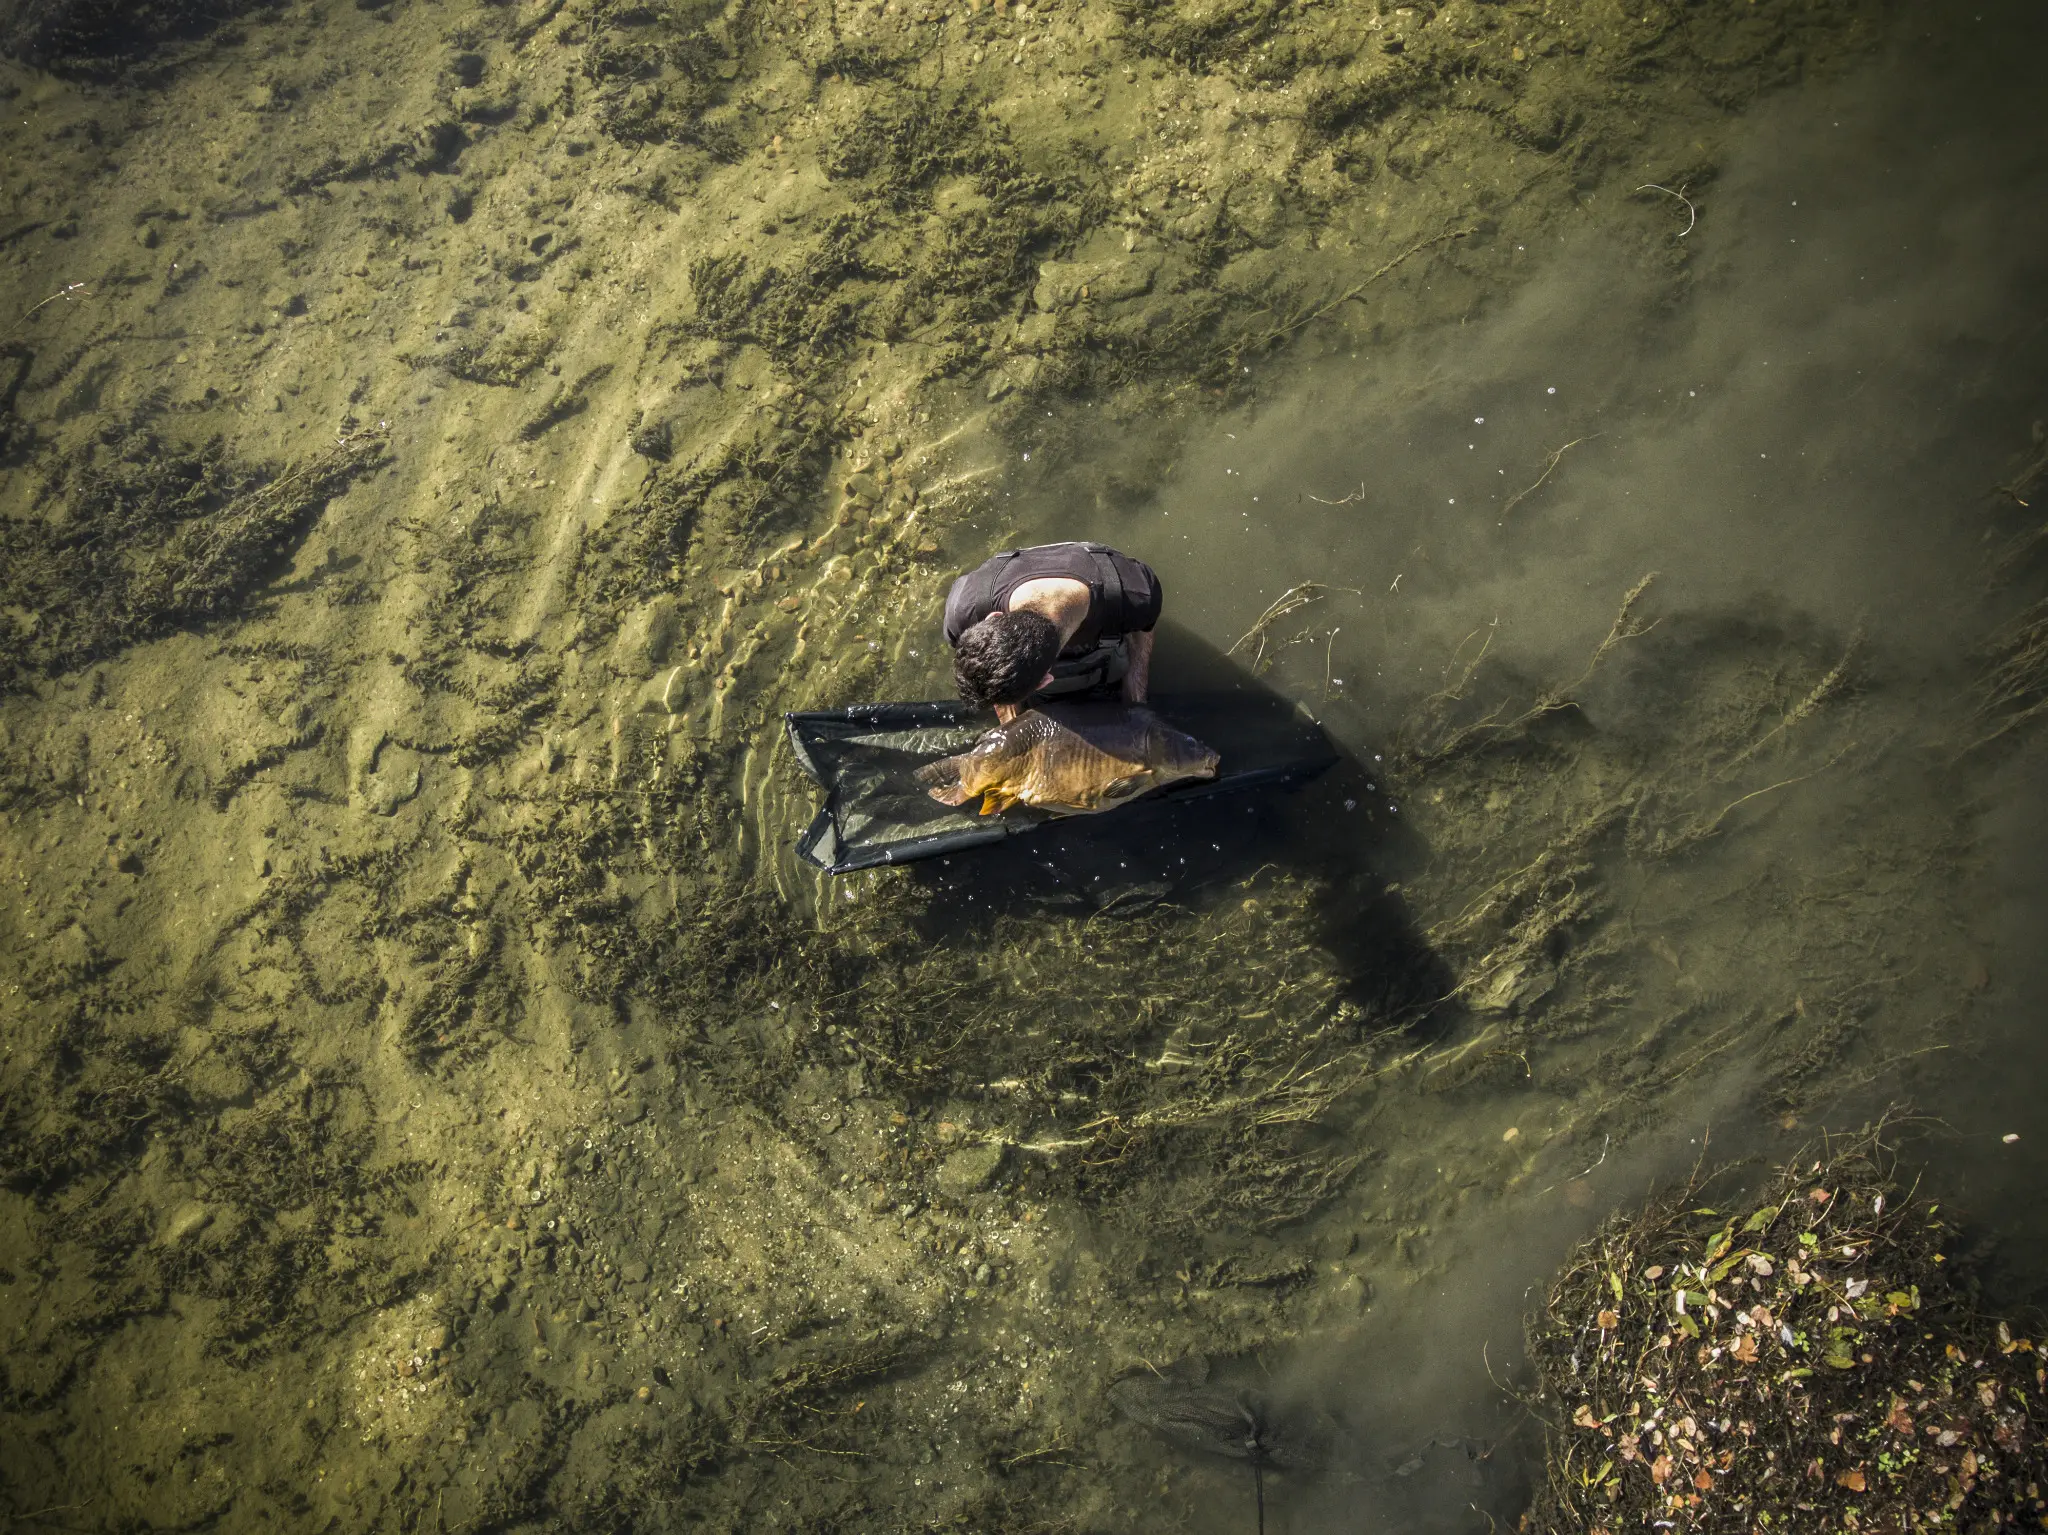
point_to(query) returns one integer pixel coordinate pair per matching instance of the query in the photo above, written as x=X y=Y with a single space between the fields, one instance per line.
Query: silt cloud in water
x=1796 y=426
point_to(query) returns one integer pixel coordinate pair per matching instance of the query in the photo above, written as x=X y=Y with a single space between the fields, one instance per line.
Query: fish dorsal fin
x=1189 y=1370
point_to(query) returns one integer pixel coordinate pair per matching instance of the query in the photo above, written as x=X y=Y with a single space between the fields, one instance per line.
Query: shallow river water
x=442 y=442
x=1800 y=442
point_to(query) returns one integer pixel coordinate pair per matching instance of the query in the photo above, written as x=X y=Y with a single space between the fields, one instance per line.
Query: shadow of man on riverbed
x=1201 y=850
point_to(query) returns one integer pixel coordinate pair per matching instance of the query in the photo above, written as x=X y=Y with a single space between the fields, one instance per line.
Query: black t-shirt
x=1124 y=596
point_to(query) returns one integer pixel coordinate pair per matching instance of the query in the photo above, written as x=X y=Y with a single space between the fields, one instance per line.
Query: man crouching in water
x=1053 y=621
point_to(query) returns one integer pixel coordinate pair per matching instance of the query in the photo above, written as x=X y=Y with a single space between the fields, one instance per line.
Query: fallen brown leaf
x=1853 y=1480
x=1661 y=1469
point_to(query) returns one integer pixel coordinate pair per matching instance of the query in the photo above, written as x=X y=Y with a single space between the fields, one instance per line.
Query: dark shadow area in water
x=1980 y=1141
x=1196 y=852
x=1297 y=1457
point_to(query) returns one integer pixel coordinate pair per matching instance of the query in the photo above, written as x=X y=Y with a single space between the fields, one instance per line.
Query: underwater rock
x=655 y=440
x=647 y=637
x=1035 y=332
x=1061 y=283
x=184 y=1223
x=391 y=785
x=970 y=1170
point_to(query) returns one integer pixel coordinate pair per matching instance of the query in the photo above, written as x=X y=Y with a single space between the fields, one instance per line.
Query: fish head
x=1170 y=756
x=1173 y=755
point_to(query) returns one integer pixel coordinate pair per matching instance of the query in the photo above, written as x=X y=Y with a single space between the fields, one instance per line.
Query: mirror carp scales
x=1073 y=760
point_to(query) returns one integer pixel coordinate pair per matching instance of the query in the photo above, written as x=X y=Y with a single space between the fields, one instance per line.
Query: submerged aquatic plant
x=149 y=536
x=2014 y=689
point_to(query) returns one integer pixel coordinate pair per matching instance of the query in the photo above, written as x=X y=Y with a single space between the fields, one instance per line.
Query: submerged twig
x=1651 y=186
x=1359 y=494
x=1416 y=249
x=1624 y=627
x=2013 y=490
x=1292 y=600
x=1606 y=1145
x=1521 y=495
x=1456 y=690
x=1307 y=316
x=2015 y=689
x=66 y=292
x=1700 y=831
x=1045 y=1454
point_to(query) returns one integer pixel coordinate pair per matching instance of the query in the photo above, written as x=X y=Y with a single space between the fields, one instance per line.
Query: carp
x=1073 y=758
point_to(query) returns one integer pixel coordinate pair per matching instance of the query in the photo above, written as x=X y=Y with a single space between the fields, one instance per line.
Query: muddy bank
x=428 y=1084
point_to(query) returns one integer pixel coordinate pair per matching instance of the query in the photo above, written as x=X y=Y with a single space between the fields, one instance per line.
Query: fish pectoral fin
x=1118 y=788
x=942 y=781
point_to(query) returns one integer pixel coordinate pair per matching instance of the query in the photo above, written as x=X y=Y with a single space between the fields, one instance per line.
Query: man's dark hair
x=1000 y=659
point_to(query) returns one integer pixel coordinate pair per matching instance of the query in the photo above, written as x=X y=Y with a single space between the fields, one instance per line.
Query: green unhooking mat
x=877 y=812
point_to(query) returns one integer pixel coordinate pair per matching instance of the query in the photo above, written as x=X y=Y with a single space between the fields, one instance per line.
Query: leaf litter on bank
x=1805 y=1360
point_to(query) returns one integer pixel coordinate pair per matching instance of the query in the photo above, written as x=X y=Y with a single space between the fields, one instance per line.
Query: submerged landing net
x=876 y=812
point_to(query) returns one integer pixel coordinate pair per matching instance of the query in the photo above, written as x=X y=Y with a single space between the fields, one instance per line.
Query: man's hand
x=1007 y=712
x=1139 y=674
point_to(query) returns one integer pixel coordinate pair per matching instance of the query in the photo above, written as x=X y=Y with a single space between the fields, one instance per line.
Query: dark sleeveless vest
x=1124 y=595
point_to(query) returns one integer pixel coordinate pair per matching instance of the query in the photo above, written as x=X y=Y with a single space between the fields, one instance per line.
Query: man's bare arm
x=1139 y=673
